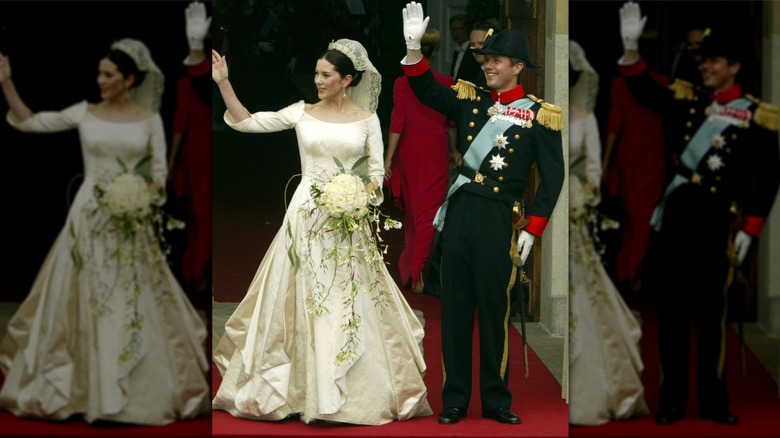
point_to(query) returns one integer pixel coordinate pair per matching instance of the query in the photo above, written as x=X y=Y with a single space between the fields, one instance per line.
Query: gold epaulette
x=682 y=89
x=766 y=115
x=465 y=90
x=550 y=116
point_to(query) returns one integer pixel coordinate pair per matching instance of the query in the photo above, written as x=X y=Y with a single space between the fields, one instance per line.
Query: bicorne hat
x=509 y=42
x=727 y=46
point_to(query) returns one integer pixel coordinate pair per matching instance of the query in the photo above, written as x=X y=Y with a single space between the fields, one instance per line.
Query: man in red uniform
x=502 y=133
x=711 y=211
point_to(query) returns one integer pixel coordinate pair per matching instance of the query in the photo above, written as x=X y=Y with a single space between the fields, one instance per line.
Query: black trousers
x=689 y=278
x=476 y=269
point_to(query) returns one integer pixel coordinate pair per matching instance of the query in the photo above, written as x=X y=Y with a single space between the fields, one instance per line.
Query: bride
x=323 y=331
x=106 y=331
x=605 y=364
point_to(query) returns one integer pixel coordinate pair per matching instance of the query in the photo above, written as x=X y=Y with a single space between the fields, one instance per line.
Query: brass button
x=495 y=190
x=717 y=177
x=734 y=136
x=505 y=165
x=687 y=137
x=475 y=111
x=479 y=98
x=713 y=189
x=511 y=150
x=501 y=178
x=733 y=208
x=517 y=136
x=692 y=110
x=469 y=137
x=471 y=124
x=728 y=150
x=688 y=124
x=695 y=98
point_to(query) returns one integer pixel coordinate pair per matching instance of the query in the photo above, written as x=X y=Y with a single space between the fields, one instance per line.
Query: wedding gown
x=106 y=331
x=278 y=355
x=605 y=364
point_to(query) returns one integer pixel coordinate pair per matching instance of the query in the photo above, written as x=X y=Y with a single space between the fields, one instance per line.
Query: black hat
x=509 y=42
x=730 y=47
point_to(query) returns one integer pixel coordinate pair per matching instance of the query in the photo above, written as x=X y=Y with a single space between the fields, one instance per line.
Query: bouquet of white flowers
x=583 y=207
x=349 y=204
x=132 y=201
x=128 y=194
x=344 y=218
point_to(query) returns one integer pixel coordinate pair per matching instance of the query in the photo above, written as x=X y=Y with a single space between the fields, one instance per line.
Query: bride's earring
x=344 y=93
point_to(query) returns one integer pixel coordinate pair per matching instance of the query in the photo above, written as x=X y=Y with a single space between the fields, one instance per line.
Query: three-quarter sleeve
x=269 y=121
x=158 y=147
x=592 y=150
x=51 y=121
x=375 y=148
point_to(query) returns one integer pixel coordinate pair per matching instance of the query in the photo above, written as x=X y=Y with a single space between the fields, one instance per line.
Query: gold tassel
x=465 y=90
x=766 y=115
x=550 y=116
x=682 y=89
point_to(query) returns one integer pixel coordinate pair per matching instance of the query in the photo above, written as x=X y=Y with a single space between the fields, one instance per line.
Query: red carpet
x=537 y=400
x=753 y=399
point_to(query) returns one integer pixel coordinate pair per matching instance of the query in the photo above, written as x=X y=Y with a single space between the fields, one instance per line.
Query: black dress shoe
x=451 y=415
x=502 y=415
x=668 y=416
x=722 y=417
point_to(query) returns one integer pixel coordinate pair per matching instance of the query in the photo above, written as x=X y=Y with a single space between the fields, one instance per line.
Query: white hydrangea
x=128 y=194
x=345 y=195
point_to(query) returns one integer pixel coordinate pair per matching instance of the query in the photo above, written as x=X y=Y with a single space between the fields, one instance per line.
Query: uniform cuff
x=536 y=225
x=753 y=225
x=416 y=69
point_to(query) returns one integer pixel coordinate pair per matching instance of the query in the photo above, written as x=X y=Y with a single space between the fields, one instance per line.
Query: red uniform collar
x=508 y=96
x=726 y=95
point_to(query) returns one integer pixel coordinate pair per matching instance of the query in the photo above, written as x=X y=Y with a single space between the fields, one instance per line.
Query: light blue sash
x=693 y=153
x=483 y=143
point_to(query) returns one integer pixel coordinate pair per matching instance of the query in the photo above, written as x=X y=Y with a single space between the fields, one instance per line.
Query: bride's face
x=328 y=81
x=112 y=84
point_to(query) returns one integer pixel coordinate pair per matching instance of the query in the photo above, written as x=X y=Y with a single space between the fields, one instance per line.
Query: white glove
x=741 y=244
x=524 y=243
x=631 y=25
x=197 y=25
x=414 y=25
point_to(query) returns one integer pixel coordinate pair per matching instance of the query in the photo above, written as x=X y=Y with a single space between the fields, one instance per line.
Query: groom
x=503 y=132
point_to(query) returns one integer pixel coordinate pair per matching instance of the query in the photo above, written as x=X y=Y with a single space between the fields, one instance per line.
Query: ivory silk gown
x=106 y=331
x=278 y=358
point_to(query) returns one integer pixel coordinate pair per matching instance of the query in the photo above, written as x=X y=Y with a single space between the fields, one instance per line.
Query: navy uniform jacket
x=742 y=165
x=526 y=145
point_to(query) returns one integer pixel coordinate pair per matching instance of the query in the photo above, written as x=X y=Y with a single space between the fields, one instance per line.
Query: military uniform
x=501 y=137
x=726 y=180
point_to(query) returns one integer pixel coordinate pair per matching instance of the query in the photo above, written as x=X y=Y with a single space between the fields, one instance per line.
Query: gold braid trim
x=465 y=90
x=766 y=115
x=682 y=89
x=550 y=116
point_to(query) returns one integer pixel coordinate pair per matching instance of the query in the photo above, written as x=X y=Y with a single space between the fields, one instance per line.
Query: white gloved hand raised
x=414 y=25
x=197 y=25
x=631 y=25
x=524 y=243
x=741 y=244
